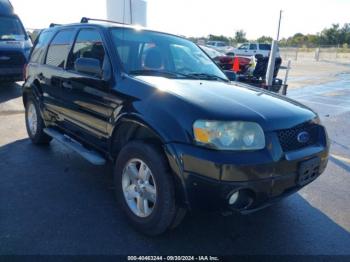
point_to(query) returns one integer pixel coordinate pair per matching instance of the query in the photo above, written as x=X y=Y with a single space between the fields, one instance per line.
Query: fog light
x=233 y=198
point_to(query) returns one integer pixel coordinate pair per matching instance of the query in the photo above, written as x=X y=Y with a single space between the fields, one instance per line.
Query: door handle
x=67 y=85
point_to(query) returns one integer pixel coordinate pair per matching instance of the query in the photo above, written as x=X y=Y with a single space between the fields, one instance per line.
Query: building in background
x=128 y=11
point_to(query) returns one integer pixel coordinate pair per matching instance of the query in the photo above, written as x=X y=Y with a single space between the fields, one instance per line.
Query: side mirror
x=89 y=66
x=230 y=75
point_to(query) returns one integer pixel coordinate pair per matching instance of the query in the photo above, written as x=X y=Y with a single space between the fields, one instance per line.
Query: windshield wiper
x=7 y=39
x=208 y=77
x=162 y=73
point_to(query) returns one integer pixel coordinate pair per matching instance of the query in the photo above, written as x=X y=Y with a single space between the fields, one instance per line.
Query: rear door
x=52 y=72
x=87 y=103
x=253 y=48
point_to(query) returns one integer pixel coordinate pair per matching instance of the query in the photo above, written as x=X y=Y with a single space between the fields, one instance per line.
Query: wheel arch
x=33 y=89
x=131 y=127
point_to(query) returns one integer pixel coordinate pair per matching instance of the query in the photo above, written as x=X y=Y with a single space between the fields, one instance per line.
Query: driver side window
x=89 y=44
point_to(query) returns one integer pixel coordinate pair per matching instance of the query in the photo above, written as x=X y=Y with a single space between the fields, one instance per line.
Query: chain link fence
x=328 y=53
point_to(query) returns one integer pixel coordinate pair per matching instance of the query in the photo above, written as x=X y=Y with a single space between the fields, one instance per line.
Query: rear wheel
x=35 y=124
x=145 y=188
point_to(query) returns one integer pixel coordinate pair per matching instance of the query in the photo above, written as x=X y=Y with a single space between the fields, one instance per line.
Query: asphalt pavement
x=54 y=202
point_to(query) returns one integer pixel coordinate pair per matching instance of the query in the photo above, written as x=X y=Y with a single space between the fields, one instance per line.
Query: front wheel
x=145 y=188
x=35 y=124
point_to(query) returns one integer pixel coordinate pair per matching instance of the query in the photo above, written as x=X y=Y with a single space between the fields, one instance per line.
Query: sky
x=201 y=17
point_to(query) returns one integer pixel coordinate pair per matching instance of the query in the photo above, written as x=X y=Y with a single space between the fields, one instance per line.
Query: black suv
x=181 y=135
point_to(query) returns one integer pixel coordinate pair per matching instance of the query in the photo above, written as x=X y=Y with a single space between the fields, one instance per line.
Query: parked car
x=223 y=61
x=252 y=49
x=249 y=70
x=213 y=53
x=181 y=136
x=220 y=46
x=15 y=45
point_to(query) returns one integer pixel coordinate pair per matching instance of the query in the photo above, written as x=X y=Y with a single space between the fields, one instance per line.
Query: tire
x=35 y=127
x=164 y=213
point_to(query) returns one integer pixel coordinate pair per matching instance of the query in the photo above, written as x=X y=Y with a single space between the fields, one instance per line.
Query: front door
x=88 y=106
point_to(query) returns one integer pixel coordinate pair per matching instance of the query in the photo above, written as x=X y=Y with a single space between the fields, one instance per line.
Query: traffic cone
x=236 y=65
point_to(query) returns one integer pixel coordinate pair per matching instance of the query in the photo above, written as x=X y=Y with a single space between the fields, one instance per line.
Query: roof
x=106 y=24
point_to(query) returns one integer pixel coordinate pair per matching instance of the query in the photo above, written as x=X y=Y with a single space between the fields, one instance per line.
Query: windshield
x=147 y=52
x=11 y=29
x=211 y=52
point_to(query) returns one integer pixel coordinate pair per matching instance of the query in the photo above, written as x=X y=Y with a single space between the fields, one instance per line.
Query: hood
x=213 y=100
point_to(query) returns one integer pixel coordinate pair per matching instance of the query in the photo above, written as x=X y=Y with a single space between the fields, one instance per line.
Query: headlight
x=229 y=135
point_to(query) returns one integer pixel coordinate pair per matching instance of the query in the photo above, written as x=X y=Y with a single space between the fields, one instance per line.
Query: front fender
x=167 y=128
x=170 y=153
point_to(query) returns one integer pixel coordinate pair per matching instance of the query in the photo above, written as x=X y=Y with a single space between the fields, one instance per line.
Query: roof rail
x=53 y=25
x=86 y=20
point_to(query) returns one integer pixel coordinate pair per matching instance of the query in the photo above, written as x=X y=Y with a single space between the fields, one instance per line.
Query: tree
x=264 y=39
x=240 y=36
x=331 y=36
x=219 y=38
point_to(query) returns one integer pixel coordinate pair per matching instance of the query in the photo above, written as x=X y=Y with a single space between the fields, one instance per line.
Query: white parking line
x=324 y=104
x=341 y=158
x=330 y=99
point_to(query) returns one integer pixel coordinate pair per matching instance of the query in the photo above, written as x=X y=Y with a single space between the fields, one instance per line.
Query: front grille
x=289 y=137
x=16 y=59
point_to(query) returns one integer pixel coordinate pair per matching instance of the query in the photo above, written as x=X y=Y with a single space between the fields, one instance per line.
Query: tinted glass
x=153 y=51
x=11 y=29
x=253 y=47
x=59 y=48
x=40 y=46
x=212 y=53
x=265 y=47
x=244 y=46
x=87 y=45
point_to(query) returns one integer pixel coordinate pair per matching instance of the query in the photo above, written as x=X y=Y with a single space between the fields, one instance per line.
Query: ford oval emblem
x=303 y=137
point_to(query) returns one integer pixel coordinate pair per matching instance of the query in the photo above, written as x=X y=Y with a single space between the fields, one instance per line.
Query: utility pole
x=272 y=60
x=279 y=26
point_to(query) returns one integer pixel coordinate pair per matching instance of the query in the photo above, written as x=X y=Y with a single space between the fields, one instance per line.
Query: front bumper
x=262 y=177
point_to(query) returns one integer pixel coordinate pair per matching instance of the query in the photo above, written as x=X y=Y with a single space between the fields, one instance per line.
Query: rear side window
x=265 y=47
x=59 y=48
x=253 y=47
x=40 y=46
x=88 y=45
